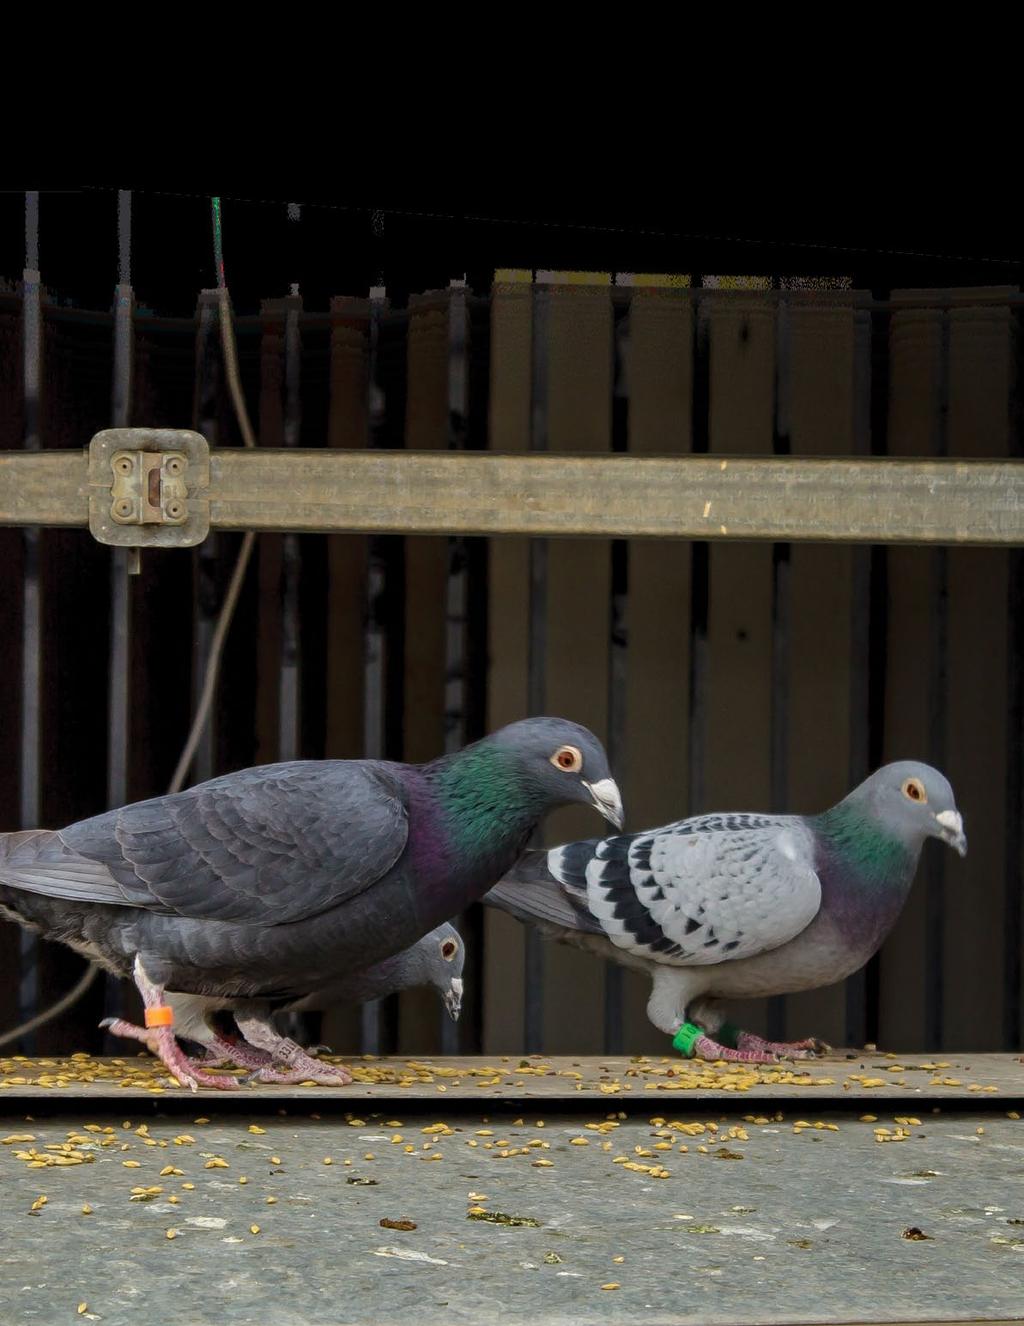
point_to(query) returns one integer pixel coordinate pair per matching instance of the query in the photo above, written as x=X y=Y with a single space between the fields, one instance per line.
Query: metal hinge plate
x=149 y=487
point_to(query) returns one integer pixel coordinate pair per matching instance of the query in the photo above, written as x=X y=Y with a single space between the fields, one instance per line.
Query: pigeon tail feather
x=530 y=892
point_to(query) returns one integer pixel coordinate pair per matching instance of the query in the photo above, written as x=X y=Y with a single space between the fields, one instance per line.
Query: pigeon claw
x=711 y=1052
x=323 y=1075
x=810 y=1048
x=195 y=1077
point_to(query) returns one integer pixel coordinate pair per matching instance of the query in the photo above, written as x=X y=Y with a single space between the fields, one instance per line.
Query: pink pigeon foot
x=161 y=1038
x=161 y=1041
x=324 y=1075
x=223 y=1051
x=806 y=1049
x=301 y=1067
x=705 y=1048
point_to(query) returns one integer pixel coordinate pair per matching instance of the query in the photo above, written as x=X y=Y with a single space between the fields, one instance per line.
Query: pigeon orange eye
x=448 y=950
x=913 y=789
x=567 y=758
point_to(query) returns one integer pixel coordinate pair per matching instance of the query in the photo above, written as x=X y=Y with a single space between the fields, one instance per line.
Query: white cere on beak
x=607 y=799
x=457 y=986
x=952 y=825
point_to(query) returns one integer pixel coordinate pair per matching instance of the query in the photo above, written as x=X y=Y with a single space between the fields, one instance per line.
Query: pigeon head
x=564 y=761
x=437 y=960
x=914 y=801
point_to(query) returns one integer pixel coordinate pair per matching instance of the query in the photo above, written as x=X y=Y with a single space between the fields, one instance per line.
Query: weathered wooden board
x=915 y=1078
x=617 y=496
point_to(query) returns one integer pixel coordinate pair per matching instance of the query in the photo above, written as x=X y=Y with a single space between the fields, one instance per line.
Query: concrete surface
x=768 y=1223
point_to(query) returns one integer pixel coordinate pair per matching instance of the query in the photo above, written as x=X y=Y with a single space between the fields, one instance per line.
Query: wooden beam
x=706 y=497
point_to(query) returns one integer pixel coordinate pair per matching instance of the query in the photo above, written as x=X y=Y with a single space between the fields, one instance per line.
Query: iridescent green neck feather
x=487 y=801
x=862 y=844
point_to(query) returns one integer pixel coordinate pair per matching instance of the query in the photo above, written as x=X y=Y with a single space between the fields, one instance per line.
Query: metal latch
x=148 y=487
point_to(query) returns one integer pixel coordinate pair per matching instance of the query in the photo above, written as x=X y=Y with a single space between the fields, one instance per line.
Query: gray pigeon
x=436 y=960
x=270 y=882
x=738 y=906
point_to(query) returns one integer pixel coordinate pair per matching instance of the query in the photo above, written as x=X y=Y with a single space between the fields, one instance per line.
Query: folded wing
x=266 y=846
x=705 y=890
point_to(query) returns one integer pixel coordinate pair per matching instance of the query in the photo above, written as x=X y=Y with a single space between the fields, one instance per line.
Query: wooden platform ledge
x=936 y=1078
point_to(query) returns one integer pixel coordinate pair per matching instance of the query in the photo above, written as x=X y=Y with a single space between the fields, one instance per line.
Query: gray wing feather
x=266 y=846
x=701 y=891
x=543 y=903
x=706 y=890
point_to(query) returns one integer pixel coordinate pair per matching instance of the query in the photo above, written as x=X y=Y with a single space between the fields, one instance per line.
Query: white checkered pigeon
x=736 y=906
x=271 y=882
x=436 y=961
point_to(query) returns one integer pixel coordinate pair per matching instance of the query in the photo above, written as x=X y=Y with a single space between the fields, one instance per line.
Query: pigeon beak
x=951 y=830
x=453 y=998
x=606 y=799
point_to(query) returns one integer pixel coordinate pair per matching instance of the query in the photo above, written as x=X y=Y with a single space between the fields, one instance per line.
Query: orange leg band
x=160 y=1016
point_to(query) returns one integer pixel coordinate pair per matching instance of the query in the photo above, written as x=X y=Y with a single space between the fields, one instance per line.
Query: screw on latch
x=149 y=488
x=173 y=492
x=173 y=504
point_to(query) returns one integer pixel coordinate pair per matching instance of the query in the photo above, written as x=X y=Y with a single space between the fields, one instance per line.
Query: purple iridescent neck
x=865 y=872
x=470 y=816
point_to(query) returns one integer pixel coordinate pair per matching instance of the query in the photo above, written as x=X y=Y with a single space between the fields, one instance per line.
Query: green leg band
x=686 y=1037
x=729 y=1035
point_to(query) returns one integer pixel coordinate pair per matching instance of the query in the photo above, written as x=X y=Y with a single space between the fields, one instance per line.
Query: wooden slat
x=12 y=551
x=979 y=420
x=537 y=637
x=737 y=774
x=426 y=427
x=507 y=643
x=346 y=585
x=269 y=548
x=579 y=585
x=821 y=406
x=346 y=554
x=74 y=580
x=660 y=372
x=913 y=356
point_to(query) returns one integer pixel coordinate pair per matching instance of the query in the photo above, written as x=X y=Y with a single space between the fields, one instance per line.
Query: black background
x=420 y=239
